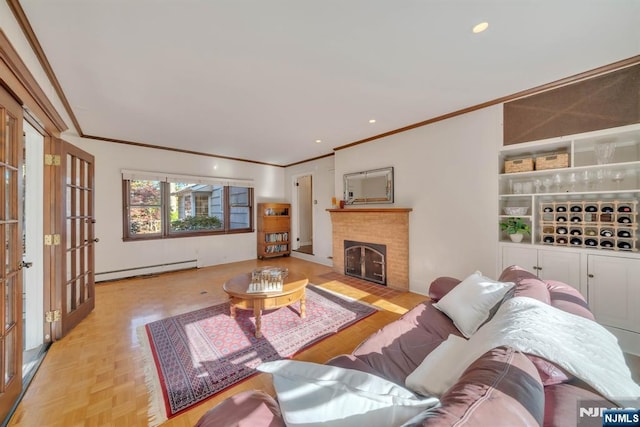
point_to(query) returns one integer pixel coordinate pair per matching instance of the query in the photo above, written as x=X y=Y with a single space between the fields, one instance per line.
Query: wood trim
x=538 y=89
x=25 y=25
x=177 y=150
x=309 y=160
x=25 y=86
x=370 y=210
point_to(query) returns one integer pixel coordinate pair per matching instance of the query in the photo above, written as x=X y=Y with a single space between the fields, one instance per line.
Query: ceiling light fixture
x=318 y=141
x=372 y=121
x=480 y=27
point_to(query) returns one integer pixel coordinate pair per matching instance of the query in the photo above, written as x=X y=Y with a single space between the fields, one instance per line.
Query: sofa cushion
x=442 y=286
x=469 y=304
x=397 y=349
x=501 y=388
x=527 y=284
x=311 y=394
x=252 y=408
x=568 y=298
x=438 y=371
x=562 y=400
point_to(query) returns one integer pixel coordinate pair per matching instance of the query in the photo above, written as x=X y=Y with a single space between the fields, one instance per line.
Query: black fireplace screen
x=366 y=261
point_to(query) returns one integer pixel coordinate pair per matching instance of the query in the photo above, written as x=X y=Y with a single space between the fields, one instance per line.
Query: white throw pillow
x=440 y=369
x=468 y=304
x=311 y=394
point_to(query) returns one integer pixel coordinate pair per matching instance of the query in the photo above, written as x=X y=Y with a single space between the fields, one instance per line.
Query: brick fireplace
x=386 y=226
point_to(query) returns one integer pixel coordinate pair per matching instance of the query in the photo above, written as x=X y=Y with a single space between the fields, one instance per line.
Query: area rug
x=195 y=355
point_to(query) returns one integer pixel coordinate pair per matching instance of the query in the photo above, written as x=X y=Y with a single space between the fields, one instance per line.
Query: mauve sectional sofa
x=504 y=387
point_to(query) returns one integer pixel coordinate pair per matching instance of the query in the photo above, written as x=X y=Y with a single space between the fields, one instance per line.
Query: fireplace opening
x=366 y=261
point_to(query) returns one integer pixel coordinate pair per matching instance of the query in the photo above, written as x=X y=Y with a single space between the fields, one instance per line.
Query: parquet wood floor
x=94 y=376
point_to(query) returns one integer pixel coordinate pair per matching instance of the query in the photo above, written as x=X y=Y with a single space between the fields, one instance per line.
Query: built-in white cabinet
x=562 y=265
x=589 y=200
x=614 y=291
x=580 y=195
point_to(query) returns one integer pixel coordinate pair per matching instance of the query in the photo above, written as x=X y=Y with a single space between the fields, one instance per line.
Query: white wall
x=112 y=253
x=446 y=172
x=322 y=172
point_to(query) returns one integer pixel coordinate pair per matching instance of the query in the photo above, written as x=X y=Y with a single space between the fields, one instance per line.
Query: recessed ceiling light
x=372 y=121
x=318 y=141
x=480 y=27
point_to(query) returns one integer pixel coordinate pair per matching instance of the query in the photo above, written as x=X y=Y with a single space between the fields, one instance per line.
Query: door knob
x=24 y=264
x=95 y=240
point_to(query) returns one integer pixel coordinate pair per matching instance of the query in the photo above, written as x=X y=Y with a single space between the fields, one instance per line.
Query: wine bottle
x=576 y=208
x=591 y=242
x=590 y=232
x=591 y=208
x=624 y=233
x=576 y=219
x=624 y=245
x=576 y=241
x=624 y=220
x=606 y=233
x=606 y=244
x=561 y=209
x=607 y=209
x=562 y=240
x=575 y=232
x=548 y=239
x=547 y=209
x=624 y=208
x=561 y=230
x=561 y=219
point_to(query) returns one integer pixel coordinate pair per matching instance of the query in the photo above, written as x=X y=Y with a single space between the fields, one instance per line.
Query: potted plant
x=515 y=228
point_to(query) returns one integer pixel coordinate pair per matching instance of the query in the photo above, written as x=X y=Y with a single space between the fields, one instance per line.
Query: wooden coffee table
x=293 y=290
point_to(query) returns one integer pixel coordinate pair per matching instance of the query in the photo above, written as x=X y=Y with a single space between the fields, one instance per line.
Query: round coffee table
x=293 y=290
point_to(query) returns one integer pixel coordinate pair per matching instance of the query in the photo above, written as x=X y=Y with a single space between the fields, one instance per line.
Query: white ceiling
x=264 y=79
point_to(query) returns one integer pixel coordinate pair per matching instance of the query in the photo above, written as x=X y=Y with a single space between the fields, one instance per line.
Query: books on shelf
x=276 y=237
x=272 y=249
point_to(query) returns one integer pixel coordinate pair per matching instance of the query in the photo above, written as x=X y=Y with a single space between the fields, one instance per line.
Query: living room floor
x=95 y=375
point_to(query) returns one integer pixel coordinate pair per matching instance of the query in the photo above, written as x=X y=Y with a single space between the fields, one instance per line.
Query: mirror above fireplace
x=372 y=186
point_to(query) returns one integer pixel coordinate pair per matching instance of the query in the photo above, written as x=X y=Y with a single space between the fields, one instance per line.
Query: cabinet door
x=614 y=291
x=559 y=265
x=524 y=257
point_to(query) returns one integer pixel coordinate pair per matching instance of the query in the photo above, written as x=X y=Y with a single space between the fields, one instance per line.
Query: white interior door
x=33 y=277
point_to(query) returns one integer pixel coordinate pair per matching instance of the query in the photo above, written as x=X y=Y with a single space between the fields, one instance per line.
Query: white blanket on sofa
x=580 y=346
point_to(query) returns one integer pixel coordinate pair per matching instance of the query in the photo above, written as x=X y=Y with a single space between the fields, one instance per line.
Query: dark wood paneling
x=601 y=102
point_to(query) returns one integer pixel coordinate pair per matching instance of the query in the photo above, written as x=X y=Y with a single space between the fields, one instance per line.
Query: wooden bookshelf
x=274 y=230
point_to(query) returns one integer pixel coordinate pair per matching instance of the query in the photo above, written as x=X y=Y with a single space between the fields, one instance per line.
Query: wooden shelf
x=274 y=230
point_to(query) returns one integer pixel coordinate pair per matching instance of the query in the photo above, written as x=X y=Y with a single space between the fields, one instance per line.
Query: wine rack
x=599 y=224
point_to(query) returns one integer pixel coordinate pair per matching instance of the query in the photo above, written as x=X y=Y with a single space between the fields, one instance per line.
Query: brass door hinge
x=52 y=160
x=52 y=316
x=52 y=239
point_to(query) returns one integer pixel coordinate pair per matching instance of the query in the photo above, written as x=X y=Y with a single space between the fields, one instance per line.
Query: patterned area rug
x=195 y=355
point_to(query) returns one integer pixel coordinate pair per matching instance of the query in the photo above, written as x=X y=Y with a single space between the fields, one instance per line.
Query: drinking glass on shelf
x=617 y=177
x=537 y=184
x=572 y=182
x=600 y=175
x=517 y=188
x=557 y=180
x=604 y=152
x=586 y=180
x=546 y=183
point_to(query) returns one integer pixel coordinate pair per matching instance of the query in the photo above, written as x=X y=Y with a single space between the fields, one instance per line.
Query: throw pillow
x=440 y=369
x=469 y=304
x=311 y=394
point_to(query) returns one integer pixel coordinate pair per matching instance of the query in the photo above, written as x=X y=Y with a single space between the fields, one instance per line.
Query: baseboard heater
x=166 y=267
